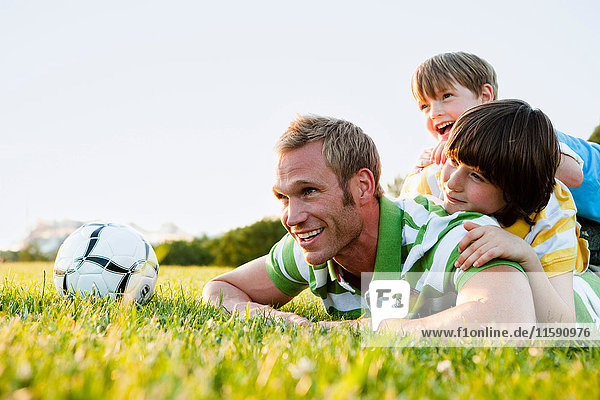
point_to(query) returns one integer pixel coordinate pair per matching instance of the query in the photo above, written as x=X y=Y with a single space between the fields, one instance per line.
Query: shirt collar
x=389 y=242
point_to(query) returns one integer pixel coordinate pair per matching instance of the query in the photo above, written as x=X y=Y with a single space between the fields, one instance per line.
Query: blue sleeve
x=586 y=196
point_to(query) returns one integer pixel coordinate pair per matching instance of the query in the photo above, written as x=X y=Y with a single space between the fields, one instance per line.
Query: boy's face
x=464 y=188
x=442 y=111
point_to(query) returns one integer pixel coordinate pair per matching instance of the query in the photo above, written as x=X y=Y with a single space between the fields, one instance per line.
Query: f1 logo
x=388 y=299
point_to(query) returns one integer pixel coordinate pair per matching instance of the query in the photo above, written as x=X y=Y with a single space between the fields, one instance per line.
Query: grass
x=175 y=347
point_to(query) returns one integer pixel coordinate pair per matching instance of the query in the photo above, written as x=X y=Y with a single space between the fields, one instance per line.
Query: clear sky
x=156 y=111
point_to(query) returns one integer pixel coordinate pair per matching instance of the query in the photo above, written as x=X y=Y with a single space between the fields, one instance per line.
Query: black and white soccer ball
x=106 y=260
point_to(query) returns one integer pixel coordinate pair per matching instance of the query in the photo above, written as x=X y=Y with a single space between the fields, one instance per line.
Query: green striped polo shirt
x=586 y=287
x=417 y=241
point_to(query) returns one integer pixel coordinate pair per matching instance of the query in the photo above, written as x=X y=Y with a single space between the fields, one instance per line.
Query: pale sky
x=167 y=111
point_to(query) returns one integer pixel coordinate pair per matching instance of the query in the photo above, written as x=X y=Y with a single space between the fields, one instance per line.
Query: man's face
x=312 y=204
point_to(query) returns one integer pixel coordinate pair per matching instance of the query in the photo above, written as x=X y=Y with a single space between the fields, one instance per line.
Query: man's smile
x=308 y=236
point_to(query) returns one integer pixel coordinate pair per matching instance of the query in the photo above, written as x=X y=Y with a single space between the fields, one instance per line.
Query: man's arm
x=499 y=294
x=249 y=288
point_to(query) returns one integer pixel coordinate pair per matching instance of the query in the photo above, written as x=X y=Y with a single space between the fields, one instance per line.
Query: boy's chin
x=452 y=208
x=445 y=136
x=436 y=136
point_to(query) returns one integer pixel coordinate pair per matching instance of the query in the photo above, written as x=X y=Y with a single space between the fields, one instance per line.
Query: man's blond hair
x=346 y=148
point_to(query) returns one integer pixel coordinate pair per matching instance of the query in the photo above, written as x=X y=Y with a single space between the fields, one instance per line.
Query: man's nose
x=295 y=213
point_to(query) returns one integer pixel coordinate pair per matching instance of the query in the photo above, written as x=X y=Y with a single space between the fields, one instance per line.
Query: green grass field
x=175 y=347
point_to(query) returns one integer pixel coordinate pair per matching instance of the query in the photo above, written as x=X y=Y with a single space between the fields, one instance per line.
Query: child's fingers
x=425 y=159
x=443 y=158
x=477 y=257
x=436 y=155
x=473 y=233
x=438 y=152
x=469 y=249
x=481 y=257
x=422 y=163
x=469 y=226
x=466 y=253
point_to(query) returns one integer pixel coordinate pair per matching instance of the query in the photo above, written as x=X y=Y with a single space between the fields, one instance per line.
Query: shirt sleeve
x=286 y=267
x=463 y=276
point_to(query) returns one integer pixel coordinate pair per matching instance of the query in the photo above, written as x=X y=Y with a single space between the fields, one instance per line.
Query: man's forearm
x=226 y=295
x=498 y=294
x=473 y=314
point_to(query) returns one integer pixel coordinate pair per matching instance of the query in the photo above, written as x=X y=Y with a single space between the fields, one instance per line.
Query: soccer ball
x=106 y=260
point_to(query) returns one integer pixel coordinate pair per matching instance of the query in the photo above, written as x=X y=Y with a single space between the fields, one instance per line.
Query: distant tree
x=595 y=137
x=233 y=248
x=395 y=188
x=180 y=252
x=32 y=252
x=241 y=245
x=9 y=256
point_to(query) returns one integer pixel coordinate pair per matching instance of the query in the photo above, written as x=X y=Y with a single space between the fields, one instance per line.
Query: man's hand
x=250 y=310
x=249 y=291
x=361 y=323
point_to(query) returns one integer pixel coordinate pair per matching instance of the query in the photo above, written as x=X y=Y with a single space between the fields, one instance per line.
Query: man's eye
x=280 y=196
x=308 y=191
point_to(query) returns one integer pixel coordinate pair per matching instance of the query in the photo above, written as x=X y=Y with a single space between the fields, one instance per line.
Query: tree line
x=233 y=248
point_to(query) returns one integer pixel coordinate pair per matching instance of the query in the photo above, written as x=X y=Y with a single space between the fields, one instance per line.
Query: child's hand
x=438 y=156
x=485 y=243
x=423 y=160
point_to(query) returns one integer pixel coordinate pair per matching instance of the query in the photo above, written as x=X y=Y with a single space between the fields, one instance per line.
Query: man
x=340 y=226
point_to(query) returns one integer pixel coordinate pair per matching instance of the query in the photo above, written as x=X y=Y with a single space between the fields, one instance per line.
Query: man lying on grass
x=340 y=225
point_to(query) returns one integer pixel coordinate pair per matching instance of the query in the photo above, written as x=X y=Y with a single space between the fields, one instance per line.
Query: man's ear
x=487 y=93
x=365 y=187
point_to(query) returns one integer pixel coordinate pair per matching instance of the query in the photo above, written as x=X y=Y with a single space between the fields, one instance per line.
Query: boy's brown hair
x=438 y=73
x=515 y=148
